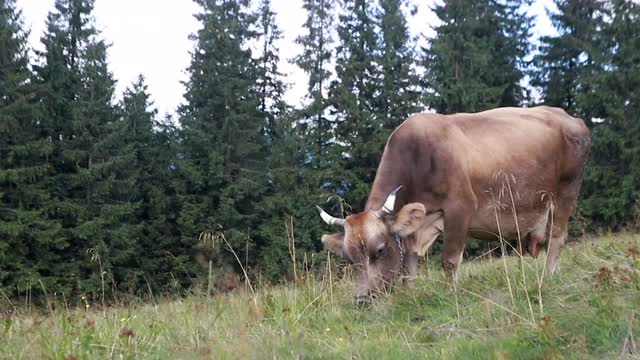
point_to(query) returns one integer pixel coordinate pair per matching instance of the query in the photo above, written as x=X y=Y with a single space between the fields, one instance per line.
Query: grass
x=590 y=310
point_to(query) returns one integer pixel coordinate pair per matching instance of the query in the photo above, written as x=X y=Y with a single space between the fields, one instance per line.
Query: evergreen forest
x=102 y=196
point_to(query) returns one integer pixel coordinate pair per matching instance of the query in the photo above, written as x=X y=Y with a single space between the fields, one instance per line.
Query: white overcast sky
x=150 y=37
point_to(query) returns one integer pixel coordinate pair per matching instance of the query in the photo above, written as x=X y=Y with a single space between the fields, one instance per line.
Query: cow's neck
x=385 y=182
x=390 y=174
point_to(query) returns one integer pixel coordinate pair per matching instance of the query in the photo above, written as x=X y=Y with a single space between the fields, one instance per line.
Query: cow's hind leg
x=566 y=202
x=558 y=232
x=559 y=224
x=556 y=243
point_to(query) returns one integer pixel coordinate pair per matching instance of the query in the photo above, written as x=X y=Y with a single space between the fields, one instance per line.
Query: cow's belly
x=485 y=226
x=498 y=195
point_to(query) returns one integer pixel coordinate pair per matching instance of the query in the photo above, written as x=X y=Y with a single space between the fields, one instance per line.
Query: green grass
x=587 y=311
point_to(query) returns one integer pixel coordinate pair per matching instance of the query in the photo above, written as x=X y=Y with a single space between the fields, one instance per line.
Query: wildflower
x=82 y=297
x=327 y=329
x=123 y=319
x=87 y=306
x=340 y=339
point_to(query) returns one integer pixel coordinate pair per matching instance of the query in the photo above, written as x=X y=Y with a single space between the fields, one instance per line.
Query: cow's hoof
x=451 y=270
x=409 y=283
x=364 y=300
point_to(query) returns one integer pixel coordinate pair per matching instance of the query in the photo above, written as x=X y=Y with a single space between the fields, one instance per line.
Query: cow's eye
x=382 y=250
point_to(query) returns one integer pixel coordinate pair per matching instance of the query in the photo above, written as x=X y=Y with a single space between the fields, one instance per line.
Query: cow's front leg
x=411 y=267
x=456 y=226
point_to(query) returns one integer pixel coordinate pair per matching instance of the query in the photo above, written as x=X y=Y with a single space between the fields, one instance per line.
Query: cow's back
x=520 y=142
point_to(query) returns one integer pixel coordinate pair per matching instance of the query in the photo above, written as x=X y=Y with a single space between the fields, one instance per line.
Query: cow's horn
x=389 y=204
x=330 y=219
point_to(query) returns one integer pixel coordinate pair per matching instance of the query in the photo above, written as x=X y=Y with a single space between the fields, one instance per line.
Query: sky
x=150 y=37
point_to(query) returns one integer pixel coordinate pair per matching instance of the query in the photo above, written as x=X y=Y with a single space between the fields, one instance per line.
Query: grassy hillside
x=589 y=310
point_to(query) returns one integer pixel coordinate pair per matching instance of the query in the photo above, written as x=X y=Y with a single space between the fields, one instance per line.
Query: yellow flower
x=87 y=306
x=123 y=319
x=327 y=329
x=340 y=339
x=82 y=297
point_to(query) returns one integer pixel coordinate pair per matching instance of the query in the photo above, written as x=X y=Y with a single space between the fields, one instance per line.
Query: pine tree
x=293 y=172
x=353 y=95
x=315 y=60
x=78 y=96
x=565 y=60
x=102 y=176
x=26 y=234
x=281 y=162
x=291 y=191
x=376 y=89
x=59 y=79
x=398 y=95
x=153 y=256
x=223 y=143
x=271 y=88
x=611 y=190
x=476 y=59
x=304 y=162
x=130 y=142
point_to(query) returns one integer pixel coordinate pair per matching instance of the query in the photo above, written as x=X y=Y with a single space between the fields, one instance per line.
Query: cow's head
x=373 y=242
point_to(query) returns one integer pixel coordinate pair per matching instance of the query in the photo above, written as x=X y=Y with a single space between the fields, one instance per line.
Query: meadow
x=589 y=310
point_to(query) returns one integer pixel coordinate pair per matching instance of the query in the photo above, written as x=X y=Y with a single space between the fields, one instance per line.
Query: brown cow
x=465 y=174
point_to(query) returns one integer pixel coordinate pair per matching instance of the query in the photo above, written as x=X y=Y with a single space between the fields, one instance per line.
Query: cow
x=506 y=173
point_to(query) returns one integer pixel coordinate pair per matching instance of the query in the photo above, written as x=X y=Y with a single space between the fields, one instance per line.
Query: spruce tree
x=281 y=186
x=102 y=175
x=315 y=60
x=398 y=93
x=155 y=258
x=375 y=90
x=301 y=155
x=78 y=93
x=223 y=145
x=353 y=95
x=565 y=60
x=270 y=85
x=59 y=78
x=476 y=59
x=611 y=194
x=292 y=191
x=26 y=232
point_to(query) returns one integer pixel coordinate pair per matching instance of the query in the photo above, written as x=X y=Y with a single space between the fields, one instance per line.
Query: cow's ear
x=409 y=219
x=333 y=243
